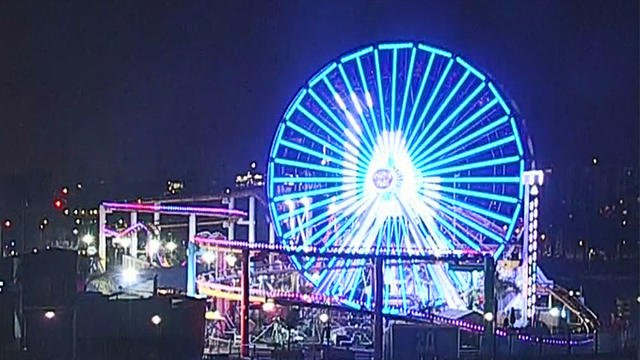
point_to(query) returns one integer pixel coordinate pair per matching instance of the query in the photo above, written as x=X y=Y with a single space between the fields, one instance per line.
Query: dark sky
x=194 y=90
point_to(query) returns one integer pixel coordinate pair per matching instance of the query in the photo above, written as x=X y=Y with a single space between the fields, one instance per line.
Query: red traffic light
x=7 y=223
x=57 y=204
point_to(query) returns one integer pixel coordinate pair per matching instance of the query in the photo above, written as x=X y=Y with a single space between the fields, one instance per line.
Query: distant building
x=591 y=211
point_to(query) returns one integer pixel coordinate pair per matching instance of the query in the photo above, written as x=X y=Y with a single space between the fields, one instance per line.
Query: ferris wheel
x=396 y=148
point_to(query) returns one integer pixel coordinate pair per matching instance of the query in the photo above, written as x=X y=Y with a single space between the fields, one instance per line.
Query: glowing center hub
x=382 y=178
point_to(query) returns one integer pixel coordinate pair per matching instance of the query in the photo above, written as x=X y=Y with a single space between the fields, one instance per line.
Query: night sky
x=96 y=90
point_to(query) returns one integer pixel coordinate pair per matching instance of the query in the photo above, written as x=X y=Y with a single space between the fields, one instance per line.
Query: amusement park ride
x=400 y=183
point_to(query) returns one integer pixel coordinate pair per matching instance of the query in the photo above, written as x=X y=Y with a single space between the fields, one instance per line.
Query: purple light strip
x=127 y=231
x=330 y=251
x=172 y=209
x=110 y=232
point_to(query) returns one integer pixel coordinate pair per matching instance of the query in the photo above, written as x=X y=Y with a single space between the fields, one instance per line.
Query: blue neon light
x=497 y=95
x=470 y=68
x=434 y=50
x=453 y=156
x=356 y=54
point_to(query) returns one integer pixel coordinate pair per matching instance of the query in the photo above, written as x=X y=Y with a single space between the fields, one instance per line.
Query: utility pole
x=378 y=288
x=489 y=335
x=244 y=305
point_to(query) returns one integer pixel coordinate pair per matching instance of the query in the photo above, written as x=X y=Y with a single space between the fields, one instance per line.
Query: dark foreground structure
x=57 y=320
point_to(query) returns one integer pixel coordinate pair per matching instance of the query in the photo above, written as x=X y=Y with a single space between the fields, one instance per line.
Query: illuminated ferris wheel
x=396 y=148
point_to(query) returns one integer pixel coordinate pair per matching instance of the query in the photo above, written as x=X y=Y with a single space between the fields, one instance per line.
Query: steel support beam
x=244 y=305
x=490 y=316
x=191 y=257
x=102 y=238
x=378 y=288
x=133 y=247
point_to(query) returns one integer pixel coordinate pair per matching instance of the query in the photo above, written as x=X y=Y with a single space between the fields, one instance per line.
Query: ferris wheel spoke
x=350 y=207
x=466 y=154
x=445 y=287
x=373 y=235
x=478 y=194
x=436 y=90
x=350 y=195
x=337 y=285
x=474 y=179
x=343 y=106
x=383 y=118
x=451 y=116
x=403 y=288
x=327 y=110
x=338 y=232
x=310 y=180
x=369 y=140
x=418 y=235
x=308 y=166
x=316 y=121
x=321 y=156
x=394 y=71
x=475 y=209
x=367 y=97
x=419 y=144
x=416 y=101
x=351 y=278
x=358 y=276
x=367 y=217
x=330 y=275
x=313 y=137
x=473 y=165
x=324 y=273
x=433 y=229
x=471 y=224
x=407 y=88
x=417 y=283
x=459 y=143
x=457 y=233
x=500 y=99
x=311 y=193
x=426 y=212
x=349 y=200
x=342 y=227
x=336 y=271
x=415 y=228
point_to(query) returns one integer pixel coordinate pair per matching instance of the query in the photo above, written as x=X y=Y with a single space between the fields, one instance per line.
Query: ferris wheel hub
x=383 y=178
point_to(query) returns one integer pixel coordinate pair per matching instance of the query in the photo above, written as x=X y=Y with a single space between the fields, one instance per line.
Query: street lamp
x=171 y=246
x=87 y=239
x=324 y=317
x=156 y=319
x=49 y=315
x=488 y=316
